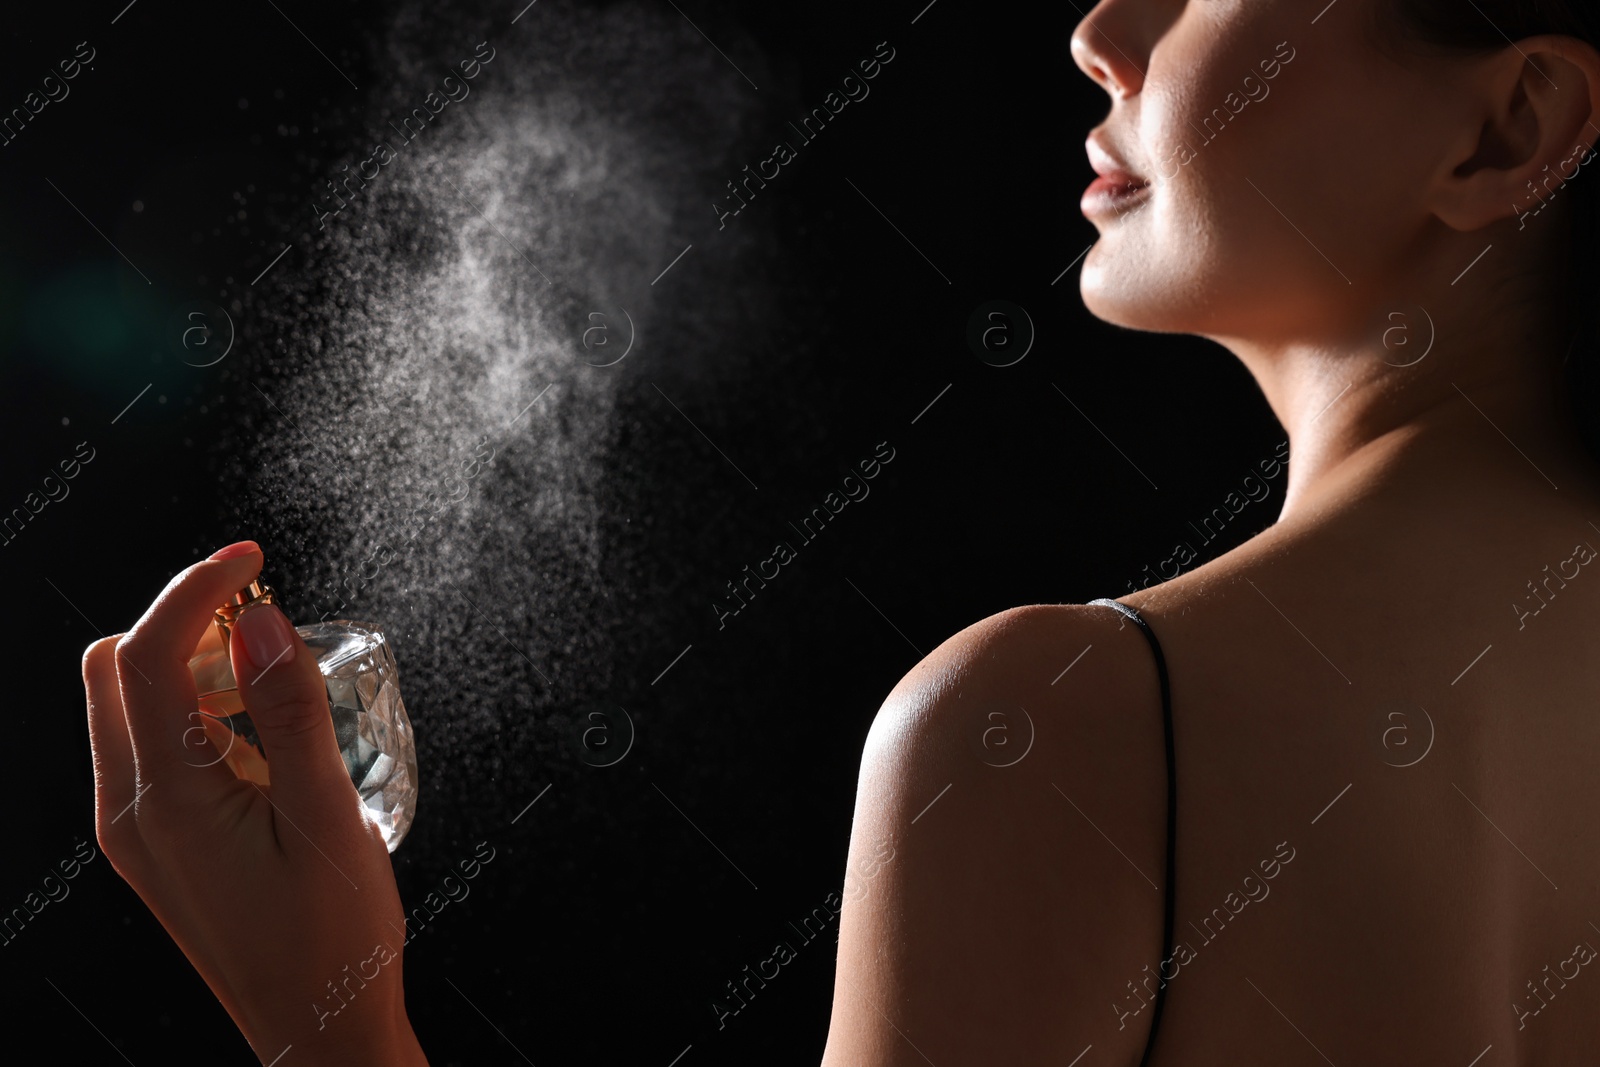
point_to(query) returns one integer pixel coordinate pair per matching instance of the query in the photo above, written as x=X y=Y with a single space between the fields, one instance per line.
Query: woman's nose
x=1106 y=46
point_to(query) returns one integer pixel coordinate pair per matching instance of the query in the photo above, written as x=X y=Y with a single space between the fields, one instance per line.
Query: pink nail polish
x=268 y=637
x=238 y=548
x=354 y=658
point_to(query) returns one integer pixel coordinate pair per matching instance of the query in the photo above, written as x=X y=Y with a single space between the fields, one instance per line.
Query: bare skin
x=1353 y=687
x=1003 y=900
x=1406 y=925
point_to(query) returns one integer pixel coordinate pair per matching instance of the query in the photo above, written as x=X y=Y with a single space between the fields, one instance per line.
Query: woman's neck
x=1353 y=416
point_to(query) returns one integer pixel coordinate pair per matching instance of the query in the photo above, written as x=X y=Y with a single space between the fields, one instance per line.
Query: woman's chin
x=1126 y=303
x=1119 y=286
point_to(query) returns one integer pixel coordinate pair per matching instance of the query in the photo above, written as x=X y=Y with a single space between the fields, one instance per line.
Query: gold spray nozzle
x=257 y=592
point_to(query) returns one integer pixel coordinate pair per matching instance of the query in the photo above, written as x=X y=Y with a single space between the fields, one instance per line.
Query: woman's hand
x=281 y=896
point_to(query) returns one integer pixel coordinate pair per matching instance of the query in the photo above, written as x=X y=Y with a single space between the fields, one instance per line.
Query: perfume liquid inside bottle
x=369 y=719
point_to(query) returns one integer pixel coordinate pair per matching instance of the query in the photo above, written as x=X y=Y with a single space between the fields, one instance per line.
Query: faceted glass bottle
x=369 y=719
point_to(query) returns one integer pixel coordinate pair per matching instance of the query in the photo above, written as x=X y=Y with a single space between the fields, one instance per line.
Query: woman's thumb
x=284 y=692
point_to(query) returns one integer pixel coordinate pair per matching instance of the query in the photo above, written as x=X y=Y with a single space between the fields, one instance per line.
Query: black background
x=606 y=925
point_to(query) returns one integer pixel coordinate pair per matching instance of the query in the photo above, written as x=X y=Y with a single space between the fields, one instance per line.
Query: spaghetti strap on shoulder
x=1170 y=895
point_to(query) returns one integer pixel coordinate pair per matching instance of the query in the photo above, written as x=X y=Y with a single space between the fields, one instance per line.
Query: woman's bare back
x=1385 y=696
x=1384 y=797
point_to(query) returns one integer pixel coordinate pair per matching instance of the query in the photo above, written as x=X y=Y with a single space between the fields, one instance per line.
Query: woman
x=1323 y=799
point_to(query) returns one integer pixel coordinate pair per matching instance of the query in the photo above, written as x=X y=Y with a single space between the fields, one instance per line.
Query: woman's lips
x=1112 y=193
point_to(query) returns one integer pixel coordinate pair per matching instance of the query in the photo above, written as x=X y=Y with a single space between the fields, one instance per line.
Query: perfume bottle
x=363 y=696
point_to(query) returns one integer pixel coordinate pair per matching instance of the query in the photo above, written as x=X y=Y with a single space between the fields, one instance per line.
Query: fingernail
x=238 y=548
x=268 y=637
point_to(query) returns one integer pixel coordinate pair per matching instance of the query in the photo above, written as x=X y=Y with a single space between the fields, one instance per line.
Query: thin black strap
x=1169 y=923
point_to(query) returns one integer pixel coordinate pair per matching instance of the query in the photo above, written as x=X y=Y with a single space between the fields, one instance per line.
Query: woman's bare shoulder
x=1007 y=854
x=1075 y=658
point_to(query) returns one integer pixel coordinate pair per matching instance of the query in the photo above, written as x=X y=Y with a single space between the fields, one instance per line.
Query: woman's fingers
x=251 y=883
x=287 y=698
x=157 y=689
x=109 y=745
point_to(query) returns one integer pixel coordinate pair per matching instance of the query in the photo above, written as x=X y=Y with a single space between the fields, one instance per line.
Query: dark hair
x=1489 y=25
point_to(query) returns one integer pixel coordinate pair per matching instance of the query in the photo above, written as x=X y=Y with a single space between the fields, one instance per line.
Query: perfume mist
x=369 y=718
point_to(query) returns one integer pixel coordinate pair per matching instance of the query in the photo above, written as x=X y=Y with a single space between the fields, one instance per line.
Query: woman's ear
x=1539 y=121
